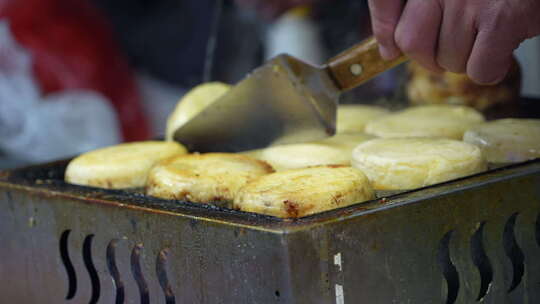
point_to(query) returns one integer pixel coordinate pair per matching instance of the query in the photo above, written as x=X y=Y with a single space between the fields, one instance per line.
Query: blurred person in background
x=167 y=41
x=136 y=58
x=65 y=86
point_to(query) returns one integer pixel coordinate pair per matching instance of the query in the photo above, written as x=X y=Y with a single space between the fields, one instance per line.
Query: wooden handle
x=359 y=64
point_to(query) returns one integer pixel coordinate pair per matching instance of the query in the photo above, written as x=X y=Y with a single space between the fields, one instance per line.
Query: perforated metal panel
x=466 y=241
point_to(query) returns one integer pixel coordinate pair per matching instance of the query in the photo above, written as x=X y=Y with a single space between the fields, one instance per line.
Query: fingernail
x=388 y=53
x=487 y=81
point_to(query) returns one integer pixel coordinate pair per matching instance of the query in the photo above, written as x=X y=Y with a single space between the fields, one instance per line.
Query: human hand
x=271 y=9
x=476 y=37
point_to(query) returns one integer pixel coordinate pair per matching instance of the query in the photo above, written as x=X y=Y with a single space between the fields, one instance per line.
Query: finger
x=456 y=37
x=385 y=16
x=491 y=56
x=499 y=33
x=417 y=33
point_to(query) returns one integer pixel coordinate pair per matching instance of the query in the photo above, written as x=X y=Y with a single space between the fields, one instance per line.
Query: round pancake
x=193 y=103
x=507 y=140
x=204 y=178
x=445 y=121
x=121 y=166
x=426 y=87
x=354 y=117
x=301 y=192
x=335 y=150
x=347 y=140
x=409 y=163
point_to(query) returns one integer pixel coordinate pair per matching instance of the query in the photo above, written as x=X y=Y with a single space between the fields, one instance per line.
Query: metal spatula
x=284 y=101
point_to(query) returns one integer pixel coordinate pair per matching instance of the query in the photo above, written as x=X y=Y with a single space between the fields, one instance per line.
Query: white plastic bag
x=37 y=128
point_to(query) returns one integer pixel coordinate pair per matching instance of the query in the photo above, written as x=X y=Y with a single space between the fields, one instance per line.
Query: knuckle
x=383 y=20
x=407 y=43
x=384 y=33
x=499 y=19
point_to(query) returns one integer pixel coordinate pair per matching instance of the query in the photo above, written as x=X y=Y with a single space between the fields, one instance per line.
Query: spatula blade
x=283 y=101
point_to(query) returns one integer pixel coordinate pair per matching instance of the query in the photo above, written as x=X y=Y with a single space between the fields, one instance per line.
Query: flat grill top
x=48 y=180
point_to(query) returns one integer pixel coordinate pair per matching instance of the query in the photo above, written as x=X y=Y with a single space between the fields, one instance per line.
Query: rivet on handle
x=356 y=69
